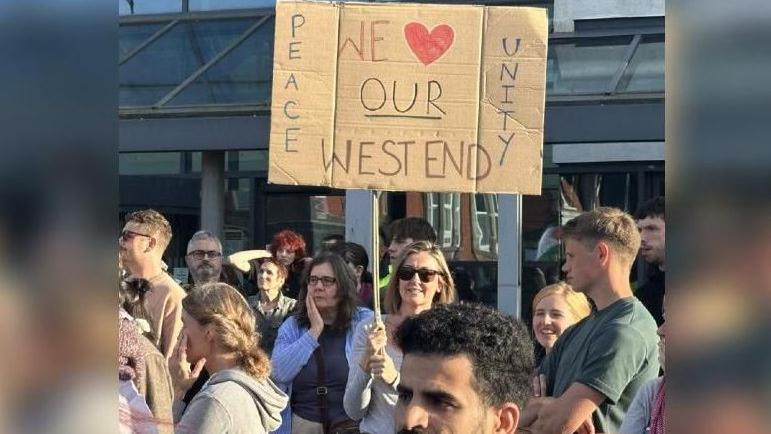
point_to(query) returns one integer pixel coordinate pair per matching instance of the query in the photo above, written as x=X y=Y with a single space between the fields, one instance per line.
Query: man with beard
x=204 y=258
x=204 y=261
x=466 y=370
x=650 y=223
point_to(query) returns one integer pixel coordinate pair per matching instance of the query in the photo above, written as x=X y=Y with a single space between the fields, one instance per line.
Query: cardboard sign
x=408 y=97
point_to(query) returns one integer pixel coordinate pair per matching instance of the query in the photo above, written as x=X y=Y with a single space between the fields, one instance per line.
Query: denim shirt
x=293 y=349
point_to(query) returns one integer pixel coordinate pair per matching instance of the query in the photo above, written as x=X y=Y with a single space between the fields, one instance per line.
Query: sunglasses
x=425 y=274
x=130 y=235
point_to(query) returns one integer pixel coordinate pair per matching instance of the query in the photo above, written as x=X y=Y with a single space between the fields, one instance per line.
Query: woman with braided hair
x=219 y=332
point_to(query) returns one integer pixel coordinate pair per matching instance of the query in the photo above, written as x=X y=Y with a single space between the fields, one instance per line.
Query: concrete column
x=510 y=254
x=213 y=192
x=358 y=219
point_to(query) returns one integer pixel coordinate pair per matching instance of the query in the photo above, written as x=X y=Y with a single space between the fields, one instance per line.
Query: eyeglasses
x=129 y=235
x=326 y=281
x=425 y=274
x=201 y=254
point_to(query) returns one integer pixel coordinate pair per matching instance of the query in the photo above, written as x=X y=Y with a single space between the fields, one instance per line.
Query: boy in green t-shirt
x=597 y=365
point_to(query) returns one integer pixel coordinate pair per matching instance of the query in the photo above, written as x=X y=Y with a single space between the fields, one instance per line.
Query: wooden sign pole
x=376 y=256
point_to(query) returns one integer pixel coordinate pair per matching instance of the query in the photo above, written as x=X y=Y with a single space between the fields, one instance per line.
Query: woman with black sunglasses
x=422 y=280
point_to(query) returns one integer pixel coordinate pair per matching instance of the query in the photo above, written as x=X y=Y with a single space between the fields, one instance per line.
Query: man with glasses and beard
x=466 y=370
x=204 y=261
x=204 y=258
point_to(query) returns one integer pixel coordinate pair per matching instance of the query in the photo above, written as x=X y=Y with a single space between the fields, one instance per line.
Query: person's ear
x=209 y=333
x=151 y=244
x=602 y=251
x=507 y=419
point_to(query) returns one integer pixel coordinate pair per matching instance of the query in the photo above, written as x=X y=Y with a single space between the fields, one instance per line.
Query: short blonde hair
x=234 y=322
x=577 y=302
x=155 y=223
x=610 y=225
x=393 y=299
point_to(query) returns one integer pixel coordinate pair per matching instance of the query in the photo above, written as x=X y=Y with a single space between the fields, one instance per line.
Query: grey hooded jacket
x=234 y=402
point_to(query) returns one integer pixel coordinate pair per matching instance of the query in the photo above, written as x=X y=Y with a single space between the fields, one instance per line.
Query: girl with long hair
x=219 y=333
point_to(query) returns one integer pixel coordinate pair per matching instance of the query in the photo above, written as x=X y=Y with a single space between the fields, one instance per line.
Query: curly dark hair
x=498 y=346
x=346 y=291
x=651 y=208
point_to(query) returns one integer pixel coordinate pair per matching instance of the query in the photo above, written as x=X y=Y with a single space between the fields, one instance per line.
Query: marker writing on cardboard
x=291 y=133
x=374 y=95
x=440 y=158
x=507 y=79
x=373 y=39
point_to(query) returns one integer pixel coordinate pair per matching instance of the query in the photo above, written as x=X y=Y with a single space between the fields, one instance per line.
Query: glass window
x=443 y=213
x=195 y=159
x=149 y=163
x=645 y=72
x=167 y=62
x=205 y=5
x=135 y=7
x=585 y=192
x=313 y=216
x=131 y=35
x=253 y=160
x=246 y=161
x=584 y=66
x=238 y=215
x=242 y=76
x=484 y=225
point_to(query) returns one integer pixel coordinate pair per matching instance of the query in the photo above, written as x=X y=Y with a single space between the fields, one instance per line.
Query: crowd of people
x=280 y=342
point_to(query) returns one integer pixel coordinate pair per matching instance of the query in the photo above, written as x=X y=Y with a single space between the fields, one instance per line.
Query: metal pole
x=376 y=256
x=510 y=254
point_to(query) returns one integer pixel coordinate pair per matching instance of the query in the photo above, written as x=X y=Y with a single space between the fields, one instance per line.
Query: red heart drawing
x=428 y=47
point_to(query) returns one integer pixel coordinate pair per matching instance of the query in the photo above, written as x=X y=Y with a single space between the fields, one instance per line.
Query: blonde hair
x=393 y=299
x=607 y=224
x=221 y=305
x=155 y=223
x=577 y=302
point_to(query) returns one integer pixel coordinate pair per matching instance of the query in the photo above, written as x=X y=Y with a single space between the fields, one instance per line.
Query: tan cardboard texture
x=408 y=97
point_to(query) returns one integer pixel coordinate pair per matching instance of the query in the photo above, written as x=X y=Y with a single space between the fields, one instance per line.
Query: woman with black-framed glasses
x=422 y=280
x=314 y=347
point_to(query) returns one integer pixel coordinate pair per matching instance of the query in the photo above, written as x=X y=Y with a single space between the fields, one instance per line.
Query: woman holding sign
x=422 y=280
x=313 y=350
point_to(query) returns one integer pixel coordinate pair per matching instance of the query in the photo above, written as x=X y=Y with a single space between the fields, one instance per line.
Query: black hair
x=131 y=296
x=651 y=208
x=499 y=347
x=412 y=227
x=332 y=239
x=353 y=253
